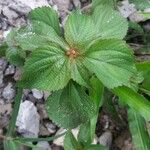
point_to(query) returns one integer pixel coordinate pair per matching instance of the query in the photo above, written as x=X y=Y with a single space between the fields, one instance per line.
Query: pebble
x=50 y=127
x=46 y=94
x=77 y=3
x=59 y=141
x=126 y=9
x=37 y=94
x=17 y=75
x=42 y=111
x=3 y=64
x=44 y=145
x=28 y=120
x=8 y=92
x=1 y=78
x=5 y=109
x=106 y=139
x=10 y=70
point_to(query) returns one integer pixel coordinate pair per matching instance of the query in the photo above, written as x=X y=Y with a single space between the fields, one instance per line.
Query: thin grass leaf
x=134 y=100
x=143 y=66
x=140 y=136
x=12 y=122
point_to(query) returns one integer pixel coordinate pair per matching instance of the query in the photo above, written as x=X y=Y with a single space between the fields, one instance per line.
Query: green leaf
x=135 y=26
x=10 y=145
x=141 y=4
x=70 y=143
x=111 y=61
x=84 y=136
x=146 y=83
x=79 y=30
x=140 y=136
x=96 y=91
x=46 y=69
x=143 y=66
x=145 y=49
x=96 y=147
x=110 y=107
x=106 y=3
x=134 y=100
x=87 y=130
x=70 y=107
x=3 y=48
x=37 y=35
x=46 y=15
x=109 y=23
x=15 y=56
x=146 y=14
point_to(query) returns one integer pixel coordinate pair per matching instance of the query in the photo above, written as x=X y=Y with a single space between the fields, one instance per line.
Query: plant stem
x=39 y=139
x=12 y=123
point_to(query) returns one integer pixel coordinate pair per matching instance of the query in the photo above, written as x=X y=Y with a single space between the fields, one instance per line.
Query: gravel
x=28 y=120
x=8 y=92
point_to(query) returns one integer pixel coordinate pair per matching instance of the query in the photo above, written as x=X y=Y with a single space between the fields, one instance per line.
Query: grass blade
x=138 y=130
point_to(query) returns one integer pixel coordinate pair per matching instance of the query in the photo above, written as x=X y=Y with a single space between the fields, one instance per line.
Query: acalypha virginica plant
x=78 y=62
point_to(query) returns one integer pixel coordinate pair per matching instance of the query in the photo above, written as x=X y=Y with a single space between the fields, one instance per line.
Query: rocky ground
x=32 y=120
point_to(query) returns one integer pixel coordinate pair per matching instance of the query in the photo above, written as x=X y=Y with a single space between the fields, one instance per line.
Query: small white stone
x=46 y=94
x=106 y=139
x=59 y=141
x=28 y=120
x=37 y=94
x=10 y=70
x=8 y=92
x=44 y=145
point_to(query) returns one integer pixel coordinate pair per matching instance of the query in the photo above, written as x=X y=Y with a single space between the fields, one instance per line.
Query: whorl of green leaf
x=51 y=64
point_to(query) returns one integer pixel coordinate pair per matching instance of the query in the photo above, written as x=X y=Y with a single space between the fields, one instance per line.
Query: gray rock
x=37 y=94
x=1 y=78
x=42 y=111
x=28 y=120
x=44 y=145
x=34 y=3
x=8 y=92
x=10 y=70
x=63 y=7
x=106 y=139
x=77 y=3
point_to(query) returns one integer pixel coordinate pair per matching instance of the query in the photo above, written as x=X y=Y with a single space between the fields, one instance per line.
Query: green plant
x=76 y=66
